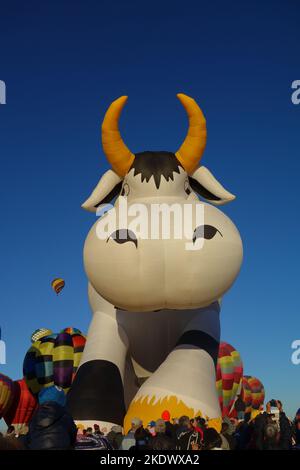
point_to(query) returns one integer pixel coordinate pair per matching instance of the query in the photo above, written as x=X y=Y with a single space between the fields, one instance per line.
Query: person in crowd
x=97 y=431
x=240 y=407
x=296 y=431
x=142 y=439
x=212 y=440
x=227 y=432
x=160 y=427
x=225 y=444
x=243 y=434
x=161 y=442
x=196 y=427
x=272 y=431
x=170 y=427
x=151 y=428
x=91 y=440
x=187 y=437
x=51 y=427
x=128 y=441
x=11 y=443
x=201 y=422
x=115 y=437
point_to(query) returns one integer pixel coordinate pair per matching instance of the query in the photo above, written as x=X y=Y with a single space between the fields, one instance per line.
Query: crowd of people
x=52 y=427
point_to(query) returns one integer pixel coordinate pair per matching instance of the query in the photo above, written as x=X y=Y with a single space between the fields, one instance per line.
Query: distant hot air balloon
x=257 y=392
x=229 y=374
x=6 y=393
x=57 y=285
x=246 y=394
x=22 y=408
x=53 y=360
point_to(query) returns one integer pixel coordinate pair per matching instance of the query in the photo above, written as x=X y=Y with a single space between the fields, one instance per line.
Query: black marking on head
x=156 y=164
x=111 y=195
x=202 y=191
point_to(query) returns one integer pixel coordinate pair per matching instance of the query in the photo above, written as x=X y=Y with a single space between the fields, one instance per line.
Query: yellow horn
x=191 y=150
x=117 y=153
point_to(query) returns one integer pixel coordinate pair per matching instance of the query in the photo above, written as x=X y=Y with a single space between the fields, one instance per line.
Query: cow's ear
x=106 y=190
x=206 y=185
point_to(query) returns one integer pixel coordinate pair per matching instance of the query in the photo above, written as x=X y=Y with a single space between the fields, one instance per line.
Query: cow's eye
x=205 y=231
x=125 y=190
x=187 y=187
x=123 y=235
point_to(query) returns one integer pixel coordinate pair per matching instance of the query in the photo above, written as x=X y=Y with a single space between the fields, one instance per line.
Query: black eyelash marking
x=205 y=231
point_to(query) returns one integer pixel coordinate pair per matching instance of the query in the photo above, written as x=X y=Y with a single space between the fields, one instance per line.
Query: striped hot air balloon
x=53 y=360
x=22 y=408
x=229 y=374
x=246 y=394
x=257 y=392
x=57 y=285
x=6 y=393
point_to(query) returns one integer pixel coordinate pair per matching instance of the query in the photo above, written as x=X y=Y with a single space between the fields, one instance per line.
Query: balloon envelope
x=53 y=360
x=246 y=394
x=23 y=406
x=257 y=392
x=229 y=374
x=57 y=285
x=6 y=393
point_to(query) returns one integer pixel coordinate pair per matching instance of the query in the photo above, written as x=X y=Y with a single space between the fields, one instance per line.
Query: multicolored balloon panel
x=6 y=393
x=53 y=360
x=229 y=374
x=39 y=333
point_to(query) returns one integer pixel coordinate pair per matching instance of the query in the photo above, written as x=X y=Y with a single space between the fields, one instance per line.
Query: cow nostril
x=123 y=235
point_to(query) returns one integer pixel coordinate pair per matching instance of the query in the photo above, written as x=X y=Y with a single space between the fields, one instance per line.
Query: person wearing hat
x=129 y=441
x=151 y=428
x=170 y=428
x=115 y=436
x=51 y=427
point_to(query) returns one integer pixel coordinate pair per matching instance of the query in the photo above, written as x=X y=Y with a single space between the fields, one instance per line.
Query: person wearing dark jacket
x=272 y=435
x=115 y=437
x=187 y=437
x=296 y=430
x=51 y=427
x=240 y=407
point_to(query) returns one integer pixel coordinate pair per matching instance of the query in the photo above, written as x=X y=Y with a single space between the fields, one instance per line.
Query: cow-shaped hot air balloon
x=158 y=261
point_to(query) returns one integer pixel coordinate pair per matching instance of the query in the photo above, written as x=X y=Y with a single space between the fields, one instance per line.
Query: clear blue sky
x=63 y=63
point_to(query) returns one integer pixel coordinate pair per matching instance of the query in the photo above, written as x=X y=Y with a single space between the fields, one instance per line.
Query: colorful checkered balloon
x=53 y=360
x=257 y=392
x=229 y=374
